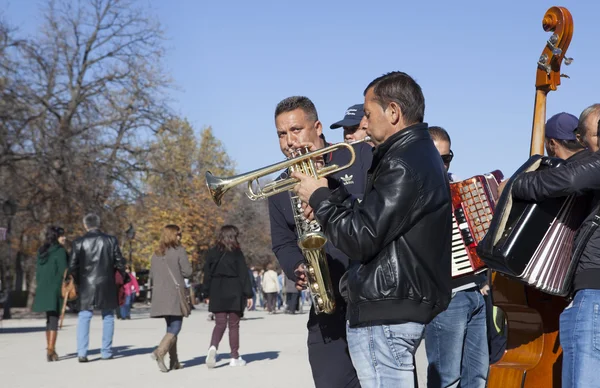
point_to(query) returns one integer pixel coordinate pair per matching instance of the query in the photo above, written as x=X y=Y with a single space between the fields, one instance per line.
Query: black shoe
x=83 y=359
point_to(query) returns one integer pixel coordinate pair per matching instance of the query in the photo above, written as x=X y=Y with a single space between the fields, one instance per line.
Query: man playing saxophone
x=298 y=125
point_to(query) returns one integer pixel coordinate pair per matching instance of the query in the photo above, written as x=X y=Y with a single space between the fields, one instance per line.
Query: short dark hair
x=400 y=88
x=91 y=221
x=297 y=102
x=571 y=145
x=440 y=134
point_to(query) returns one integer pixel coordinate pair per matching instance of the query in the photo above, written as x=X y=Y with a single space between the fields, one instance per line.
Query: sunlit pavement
x=273 y=345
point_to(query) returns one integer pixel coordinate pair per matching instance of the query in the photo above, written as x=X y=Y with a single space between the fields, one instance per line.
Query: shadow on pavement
x=21 y=330
x=250 y=357
x=118 y=352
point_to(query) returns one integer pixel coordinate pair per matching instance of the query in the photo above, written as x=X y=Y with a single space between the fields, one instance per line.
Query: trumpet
x=311 y=239
x=218 y=186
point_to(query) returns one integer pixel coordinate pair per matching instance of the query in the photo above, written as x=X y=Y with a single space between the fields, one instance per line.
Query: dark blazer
x=226 y=281
x=284 y=235
x=94 y=259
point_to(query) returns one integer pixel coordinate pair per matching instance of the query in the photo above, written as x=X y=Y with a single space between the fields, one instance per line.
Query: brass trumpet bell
x=218 y=186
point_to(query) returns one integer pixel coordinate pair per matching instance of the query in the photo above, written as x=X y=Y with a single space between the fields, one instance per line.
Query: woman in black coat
x=228 y=291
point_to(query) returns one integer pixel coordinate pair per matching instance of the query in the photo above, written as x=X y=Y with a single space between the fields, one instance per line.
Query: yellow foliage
x=178 y=193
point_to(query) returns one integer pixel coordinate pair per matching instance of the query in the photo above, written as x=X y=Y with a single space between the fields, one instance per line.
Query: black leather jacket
x=400 y=232
x=580 y=176
x=94 y=259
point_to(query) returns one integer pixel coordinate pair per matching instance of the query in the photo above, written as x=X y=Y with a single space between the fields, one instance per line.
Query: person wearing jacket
x=297 y=123
x=400 y=233
x=456 y=339
x=131 y=289
x=578 y=329
x=50 y=268
x=94 y=259
x=169 y=265
x=271 y=288
x=228 y=290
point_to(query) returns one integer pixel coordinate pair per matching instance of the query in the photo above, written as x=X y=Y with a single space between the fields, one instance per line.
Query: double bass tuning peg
x=568 y=61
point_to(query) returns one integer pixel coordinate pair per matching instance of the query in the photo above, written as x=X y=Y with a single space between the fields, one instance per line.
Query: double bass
x=533 y=356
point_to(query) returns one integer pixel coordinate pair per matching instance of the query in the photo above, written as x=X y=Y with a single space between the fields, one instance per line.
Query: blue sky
x=233 y=61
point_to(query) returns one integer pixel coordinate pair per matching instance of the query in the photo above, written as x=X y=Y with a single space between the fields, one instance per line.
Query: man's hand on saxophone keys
x=300 y=273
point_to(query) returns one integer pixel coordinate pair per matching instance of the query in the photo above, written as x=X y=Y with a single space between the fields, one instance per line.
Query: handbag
x=184 y=297
x=68 y=288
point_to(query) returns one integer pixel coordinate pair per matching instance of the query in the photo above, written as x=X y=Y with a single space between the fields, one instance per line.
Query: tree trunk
x=31 y=281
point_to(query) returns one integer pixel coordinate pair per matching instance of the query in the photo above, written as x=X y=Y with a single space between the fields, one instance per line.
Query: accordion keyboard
x=461 y=264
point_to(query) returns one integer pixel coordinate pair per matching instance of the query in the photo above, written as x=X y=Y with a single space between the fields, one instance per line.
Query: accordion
x=534 y=242
x=473 y=203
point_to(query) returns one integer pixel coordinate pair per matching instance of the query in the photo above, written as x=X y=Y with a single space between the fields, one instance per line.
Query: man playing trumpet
x=399 y=234
x=298 y=126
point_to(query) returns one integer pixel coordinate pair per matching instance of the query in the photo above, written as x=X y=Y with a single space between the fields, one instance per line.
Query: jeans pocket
x=596 y=326
x=403 y=340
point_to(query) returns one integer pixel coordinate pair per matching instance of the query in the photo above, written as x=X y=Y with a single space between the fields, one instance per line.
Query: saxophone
x=311 y=241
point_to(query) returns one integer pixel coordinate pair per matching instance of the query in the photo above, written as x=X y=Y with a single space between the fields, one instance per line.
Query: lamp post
x=9 y=208
x=130 y=232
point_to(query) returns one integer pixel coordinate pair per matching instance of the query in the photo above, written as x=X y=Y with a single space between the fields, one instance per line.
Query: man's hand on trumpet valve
x=318 y=160
x=307 y=185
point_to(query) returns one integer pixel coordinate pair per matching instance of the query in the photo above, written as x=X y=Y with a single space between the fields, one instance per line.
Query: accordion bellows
x=533 y=242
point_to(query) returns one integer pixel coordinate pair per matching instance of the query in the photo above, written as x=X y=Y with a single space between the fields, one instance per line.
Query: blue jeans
x=83 y=332
x=456 y=343
x=384 y=355
x=126 y=307
x=580 y=340
x=174 y=324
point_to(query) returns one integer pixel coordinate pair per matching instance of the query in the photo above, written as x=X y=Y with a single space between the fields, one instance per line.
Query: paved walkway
x=273 y=345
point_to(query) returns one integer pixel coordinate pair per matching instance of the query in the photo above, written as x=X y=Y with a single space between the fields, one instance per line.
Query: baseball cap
x=561 y=126
x=352 y=117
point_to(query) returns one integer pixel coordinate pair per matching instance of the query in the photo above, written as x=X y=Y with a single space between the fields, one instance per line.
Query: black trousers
x=292 y=301
x=52 y=320
x=328 y=352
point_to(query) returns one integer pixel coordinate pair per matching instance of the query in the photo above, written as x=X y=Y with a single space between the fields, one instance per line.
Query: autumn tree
x=176 y=190
x=88 y=96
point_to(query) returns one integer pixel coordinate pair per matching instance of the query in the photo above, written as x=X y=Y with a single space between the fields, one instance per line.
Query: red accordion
x=473 y=204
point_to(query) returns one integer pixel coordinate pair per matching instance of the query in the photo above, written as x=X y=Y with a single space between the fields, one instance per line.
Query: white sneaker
x=237 y=362
x=211 y=358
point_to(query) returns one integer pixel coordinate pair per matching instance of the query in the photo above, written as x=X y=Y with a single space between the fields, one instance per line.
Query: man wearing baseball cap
x=560 y=139
x=354 y=127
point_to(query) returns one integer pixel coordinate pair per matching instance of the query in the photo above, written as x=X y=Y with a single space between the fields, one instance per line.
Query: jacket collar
x=328 y=156
x=402 y=137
